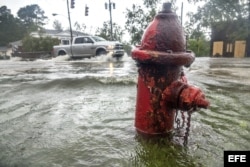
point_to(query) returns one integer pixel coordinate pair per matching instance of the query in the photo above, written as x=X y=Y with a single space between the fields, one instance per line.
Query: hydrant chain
x=188 y=127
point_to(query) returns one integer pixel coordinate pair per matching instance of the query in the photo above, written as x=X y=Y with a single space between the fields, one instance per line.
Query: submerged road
x=81 y=113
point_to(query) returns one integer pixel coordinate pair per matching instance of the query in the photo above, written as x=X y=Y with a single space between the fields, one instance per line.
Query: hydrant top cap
x=163 y=41
x=166 y=8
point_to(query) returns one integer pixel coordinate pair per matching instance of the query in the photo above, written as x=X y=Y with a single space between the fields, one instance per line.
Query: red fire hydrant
x=162 y=87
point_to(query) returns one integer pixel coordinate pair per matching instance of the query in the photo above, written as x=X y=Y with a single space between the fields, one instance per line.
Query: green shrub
x=200 y=47
x=32 y=44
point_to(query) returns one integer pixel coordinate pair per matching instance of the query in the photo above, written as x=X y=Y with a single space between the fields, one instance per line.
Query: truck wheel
x=101 y=52
x=61 y=53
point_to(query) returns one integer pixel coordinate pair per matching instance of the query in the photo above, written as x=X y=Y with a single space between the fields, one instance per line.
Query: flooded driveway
x=61 y=113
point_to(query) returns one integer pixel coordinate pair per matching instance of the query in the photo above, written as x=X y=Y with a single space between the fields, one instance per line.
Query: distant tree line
x=32 y=18
x=29 y=18
x=198 y=28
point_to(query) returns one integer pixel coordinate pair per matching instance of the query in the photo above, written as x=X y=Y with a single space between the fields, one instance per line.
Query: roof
x=56 y=33
x=17 y=43
x=75 y=33
x=51 y=33
x=47 y=31
x=3 y=48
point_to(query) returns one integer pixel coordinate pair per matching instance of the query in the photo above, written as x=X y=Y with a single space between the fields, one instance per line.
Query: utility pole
x=109 y=6
x=111 y=24
x=181 y=13
x=182 y=23
x=248 y=31
x=70 y=27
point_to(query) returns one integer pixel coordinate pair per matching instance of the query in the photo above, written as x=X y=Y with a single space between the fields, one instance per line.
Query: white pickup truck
x=89 y=46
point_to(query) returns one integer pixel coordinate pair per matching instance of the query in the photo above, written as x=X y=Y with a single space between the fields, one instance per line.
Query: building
x=63 y=36
x=230 y=39
x=15 y=48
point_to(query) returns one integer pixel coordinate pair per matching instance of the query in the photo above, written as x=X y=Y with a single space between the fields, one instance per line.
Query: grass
x=161 y=152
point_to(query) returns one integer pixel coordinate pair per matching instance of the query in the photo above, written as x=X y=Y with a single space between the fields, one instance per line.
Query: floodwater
x=61 y=113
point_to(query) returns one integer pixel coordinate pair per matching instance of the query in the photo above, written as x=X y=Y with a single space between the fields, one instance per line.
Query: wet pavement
x=81 y=113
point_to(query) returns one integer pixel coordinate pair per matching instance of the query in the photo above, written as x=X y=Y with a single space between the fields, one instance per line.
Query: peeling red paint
x=162 y=85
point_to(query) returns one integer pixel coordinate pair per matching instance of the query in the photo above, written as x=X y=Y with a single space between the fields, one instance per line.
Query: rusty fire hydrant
x=162 y=86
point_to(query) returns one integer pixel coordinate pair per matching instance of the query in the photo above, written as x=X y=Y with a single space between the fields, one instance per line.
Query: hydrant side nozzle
x=182 y=96
x=171 y=94
x=192 y=97
x=201 y=102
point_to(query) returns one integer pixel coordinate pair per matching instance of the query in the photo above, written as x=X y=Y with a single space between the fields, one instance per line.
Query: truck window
x=65 y=42
x=98 y=39
x=79 y=40
x=87 y=40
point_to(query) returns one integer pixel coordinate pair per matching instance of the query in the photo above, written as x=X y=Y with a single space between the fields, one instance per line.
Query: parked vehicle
x=89 y=46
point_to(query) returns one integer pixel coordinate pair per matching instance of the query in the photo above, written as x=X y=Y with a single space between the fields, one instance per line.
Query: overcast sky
x=97 y=12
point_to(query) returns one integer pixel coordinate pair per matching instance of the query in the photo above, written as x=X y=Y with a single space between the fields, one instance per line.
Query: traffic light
x=86 y=10
x=72 y=4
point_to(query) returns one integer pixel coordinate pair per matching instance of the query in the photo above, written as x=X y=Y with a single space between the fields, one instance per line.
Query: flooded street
x=61 y=113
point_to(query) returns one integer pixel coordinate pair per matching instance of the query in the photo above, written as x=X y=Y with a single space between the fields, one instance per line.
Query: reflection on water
x=81 y=113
